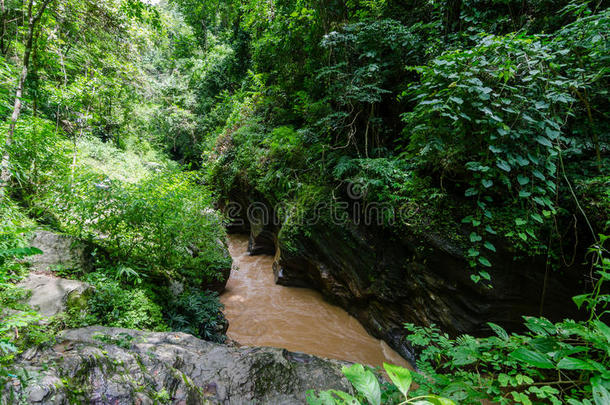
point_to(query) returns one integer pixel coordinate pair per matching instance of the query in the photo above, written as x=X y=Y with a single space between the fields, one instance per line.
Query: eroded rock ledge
x=100 y=365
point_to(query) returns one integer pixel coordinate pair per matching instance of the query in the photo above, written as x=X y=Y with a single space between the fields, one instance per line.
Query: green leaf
x=539 y=175
x=523 y=180
x=490 y=230
x=475 y=278
x=601 y=395
x=532 y=358
x=570 y=363
x=475 y=237
x=487 y=183
x=347 y=398
x=552 y=134
x=580 y=299
x=471 y=192
x=490 y=246
x=365 y=383
x=484 y=261
x=500 y=331
x=544 y=141
x=401 y=377
x=603 y=328
x=503 y=165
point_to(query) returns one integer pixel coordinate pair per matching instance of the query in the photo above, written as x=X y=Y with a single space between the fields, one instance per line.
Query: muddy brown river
x=261 y=313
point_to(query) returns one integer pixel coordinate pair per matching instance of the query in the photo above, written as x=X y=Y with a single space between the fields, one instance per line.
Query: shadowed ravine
x=262 y=313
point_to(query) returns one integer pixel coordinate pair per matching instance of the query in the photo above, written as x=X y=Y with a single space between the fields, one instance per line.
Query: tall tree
x=33 y=19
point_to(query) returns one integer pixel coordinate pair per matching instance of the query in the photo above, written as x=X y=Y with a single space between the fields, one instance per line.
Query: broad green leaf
x=401 y=377
x=544 y=141
x=601 y=395
x=503 y=165
x=532 y=358
x=484 y=261
x=552 y=134
x=365 y=383
x=490 y=246
x=487 y=183
x=580 y=299
x=570 y=363
x=500 y=331
x=523 y=180
x=347 y=398
x=603 y=328
x=471 y=192
x=524 y=194
x=475 y=237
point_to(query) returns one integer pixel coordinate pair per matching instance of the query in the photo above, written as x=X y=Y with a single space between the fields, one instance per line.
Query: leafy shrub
x=564 y=362
x=14 y=314
x=498 y=117
x=161 y=225
x=113 y=304
x=369 y=390
x=198 y=313
x=40 y=155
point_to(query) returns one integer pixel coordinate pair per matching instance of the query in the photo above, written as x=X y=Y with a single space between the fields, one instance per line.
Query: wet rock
x=111 y=365
x=52 y=295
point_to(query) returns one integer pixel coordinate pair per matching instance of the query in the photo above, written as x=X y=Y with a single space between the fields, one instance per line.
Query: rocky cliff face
x=98 y=365
x=386 y=279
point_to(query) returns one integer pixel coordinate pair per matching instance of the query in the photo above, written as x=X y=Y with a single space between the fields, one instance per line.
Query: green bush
x=114 y=304
x=198 y=313
x=557 y=363
x=40 y=156
x=160 y=226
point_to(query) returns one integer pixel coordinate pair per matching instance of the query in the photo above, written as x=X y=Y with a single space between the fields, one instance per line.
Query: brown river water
x=261 y=313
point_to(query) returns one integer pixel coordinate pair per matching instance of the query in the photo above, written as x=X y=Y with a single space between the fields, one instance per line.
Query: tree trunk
x=2 y=26
x=5 y=174
x=452 y=16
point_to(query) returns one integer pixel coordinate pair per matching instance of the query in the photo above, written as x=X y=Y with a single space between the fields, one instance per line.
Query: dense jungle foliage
x=89 y=155
x=487 y=121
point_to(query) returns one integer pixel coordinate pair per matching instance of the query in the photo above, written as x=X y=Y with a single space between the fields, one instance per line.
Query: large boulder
x=99 y=365
x=58 y=252
x=51 y=295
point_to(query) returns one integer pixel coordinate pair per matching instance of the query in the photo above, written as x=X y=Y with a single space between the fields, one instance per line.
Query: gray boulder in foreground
x=99 y=365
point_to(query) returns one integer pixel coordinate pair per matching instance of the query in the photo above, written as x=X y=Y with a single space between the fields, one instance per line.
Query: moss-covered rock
x=121 y=366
